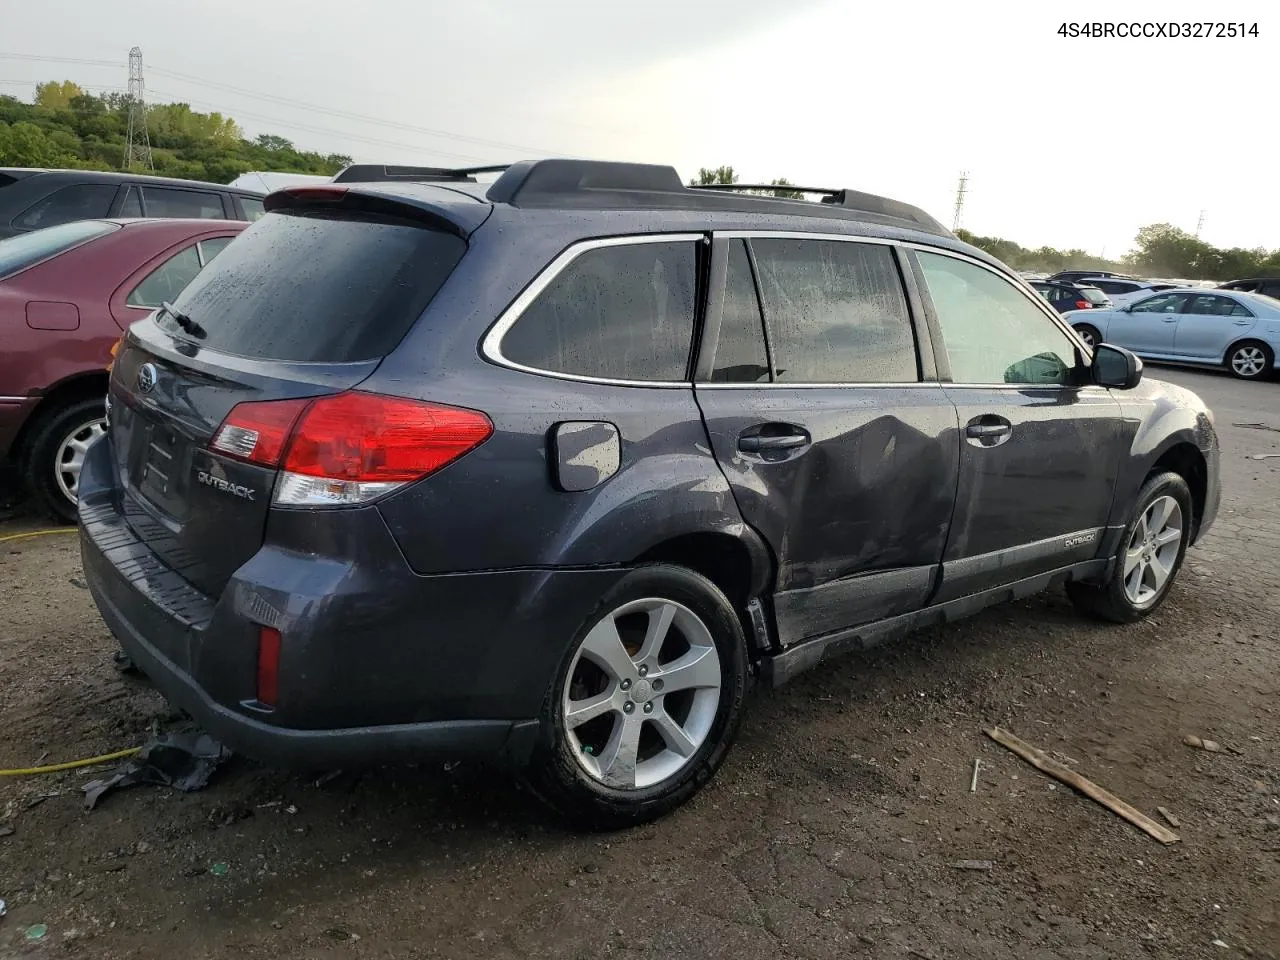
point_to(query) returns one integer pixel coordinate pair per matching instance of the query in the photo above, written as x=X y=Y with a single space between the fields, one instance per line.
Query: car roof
x=108 y=176
x=636 y=198
x=193 y=224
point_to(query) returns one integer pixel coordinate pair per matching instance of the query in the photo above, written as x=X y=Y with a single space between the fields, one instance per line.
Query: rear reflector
x=349 y=447
x=268 y=665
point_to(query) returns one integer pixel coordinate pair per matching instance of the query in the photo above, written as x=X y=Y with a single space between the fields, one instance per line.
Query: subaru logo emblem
x=147 y=377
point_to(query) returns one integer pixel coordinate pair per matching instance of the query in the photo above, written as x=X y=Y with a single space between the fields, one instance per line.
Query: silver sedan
x=1240 y=331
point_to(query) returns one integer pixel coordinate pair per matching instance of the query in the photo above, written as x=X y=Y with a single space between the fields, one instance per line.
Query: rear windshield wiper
x=185 y=323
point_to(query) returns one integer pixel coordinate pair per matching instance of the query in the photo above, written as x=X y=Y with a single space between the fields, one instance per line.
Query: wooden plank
x=1046 y=764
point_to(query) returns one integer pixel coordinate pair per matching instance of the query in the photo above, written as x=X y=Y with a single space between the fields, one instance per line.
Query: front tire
x=645 y=703
x=1250 y=360
x=57 y=453
x=1148 y=557
x=1089 y=334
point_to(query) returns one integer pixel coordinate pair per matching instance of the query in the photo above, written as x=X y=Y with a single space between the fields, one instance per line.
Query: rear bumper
x=378 y=664
x=13 y=414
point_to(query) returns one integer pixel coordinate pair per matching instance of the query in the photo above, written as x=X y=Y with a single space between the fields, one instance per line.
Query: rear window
x=1093 y=294
x=79 y=201
x=27 y=249
x=318 y=287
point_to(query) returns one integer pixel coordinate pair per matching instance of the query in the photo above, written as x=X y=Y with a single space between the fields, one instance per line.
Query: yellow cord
x=72 y=765
x=36 y=533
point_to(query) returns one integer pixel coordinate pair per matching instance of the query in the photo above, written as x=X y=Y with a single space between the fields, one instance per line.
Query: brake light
x=257 y=432
x=1082 y=304
x=268 y=665
x=349 y=447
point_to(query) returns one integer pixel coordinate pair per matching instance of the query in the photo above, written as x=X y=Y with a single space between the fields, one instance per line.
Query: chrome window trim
x=899 y=384
x=14 y=399
x=1021 y=285
x=491 y=344
x=801 y=235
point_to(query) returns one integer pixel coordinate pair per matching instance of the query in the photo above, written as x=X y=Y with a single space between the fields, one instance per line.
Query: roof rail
x=380 y=173
x=597 y=184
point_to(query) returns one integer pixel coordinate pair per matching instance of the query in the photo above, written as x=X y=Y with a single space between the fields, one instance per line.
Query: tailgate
x=203 y=513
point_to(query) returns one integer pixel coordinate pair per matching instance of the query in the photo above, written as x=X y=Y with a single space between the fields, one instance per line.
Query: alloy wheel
x=1152 y=551
x=1248 y=361
x=69 y=459
x=642 y=693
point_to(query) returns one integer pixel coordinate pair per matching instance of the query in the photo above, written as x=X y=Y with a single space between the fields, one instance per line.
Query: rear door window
x=27 y=249
x=618 y=312
x=78 y=201
x=165 y=282
x=1161 y=303
x=318 y=286
x=170 y=203
x=835 y=312
x=1270 y=290
x=253 y=208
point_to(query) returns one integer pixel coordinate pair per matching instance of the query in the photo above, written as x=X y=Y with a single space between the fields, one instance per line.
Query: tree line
x=67 y=127
x=1160 y=249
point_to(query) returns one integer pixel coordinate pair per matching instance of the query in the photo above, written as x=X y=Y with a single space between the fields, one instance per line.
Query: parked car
x=1123 y=292
x=1240 y=331
x=31 y=199
x=1066 y=296
x=66 y=294
x=1267 y=286
x=1073 y=275
x=547 y=469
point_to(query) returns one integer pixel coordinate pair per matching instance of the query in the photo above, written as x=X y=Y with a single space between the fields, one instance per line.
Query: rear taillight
x=1082 y=304
x=349 y=447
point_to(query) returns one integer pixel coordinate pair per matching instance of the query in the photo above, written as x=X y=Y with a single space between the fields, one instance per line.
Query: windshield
x=28 y=249
x=1093 y=294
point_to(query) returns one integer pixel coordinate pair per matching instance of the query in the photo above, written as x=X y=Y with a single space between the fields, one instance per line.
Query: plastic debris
x=37 y=931
x=184 y=761
x=219 y=869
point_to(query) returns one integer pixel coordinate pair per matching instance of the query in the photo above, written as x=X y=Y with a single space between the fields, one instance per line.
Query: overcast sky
x=1067 y=142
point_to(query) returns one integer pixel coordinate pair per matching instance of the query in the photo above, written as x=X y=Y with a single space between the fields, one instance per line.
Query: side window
x=252 y=207
x=835 y=311
x=993 y=332
x=1270 y=290
x=166 y=281
x=80 y=201
x=1239 y=310
x=1215 y=306
x=132 y=205
x=739 y=351
x=1168 y=303
x=211 y=248
x=622 y=312
x=196 y=204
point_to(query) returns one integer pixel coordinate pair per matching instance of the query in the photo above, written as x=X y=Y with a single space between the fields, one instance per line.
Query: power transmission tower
x=960 y=192
x=137 y=144
x=1200 y=223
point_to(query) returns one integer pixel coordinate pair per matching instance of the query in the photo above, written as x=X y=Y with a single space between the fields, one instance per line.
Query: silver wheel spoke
x=1159 y=572
x=673 y=734
x=1159 y=514
x=617 y=761
x=656 y=633
x=603 y=646
x=698 y=668
x=1132 y=557
x=1167 y=536
x=579 y=712
x=1133 y=581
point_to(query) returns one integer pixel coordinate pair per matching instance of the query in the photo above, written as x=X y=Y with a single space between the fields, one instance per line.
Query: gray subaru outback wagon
x=548 y=470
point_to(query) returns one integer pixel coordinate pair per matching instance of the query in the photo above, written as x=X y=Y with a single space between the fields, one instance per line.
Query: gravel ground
x=832 y=831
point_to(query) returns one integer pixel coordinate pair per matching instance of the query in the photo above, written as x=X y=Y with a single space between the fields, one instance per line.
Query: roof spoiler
x=381 y=173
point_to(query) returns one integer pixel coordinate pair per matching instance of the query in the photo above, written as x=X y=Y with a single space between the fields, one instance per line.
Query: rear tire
x=1148 y=557
x=1250 y=360
x=1089 y=334
x=53 y=461
x=661 y=666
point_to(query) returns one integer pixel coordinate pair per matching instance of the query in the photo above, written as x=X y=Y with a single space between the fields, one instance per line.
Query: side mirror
x=1116 y=367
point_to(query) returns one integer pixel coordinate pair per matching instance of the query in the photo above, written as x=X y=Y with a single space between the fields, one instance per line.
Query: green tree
x=785 y=194
x=26 y=145
x=707 y=175
x=57 y=95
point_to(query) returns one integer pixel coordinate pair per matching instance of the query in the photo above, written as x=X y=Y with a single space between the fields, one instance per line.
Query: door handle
x=1169 y=319
x=1242 y=323
x=757 y=444
x=988 y=430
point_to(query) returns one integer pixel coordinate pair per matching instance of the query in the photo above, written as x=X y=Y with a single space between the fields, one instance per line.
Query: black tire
x=1268 y=359
x=1088 y=333
x=555 y=774
x=1109 y=600
x=40 y=471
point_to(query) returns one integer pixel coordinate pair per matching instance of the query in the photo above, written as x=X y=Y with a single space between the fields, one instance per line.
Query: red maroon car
x=66 y=295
